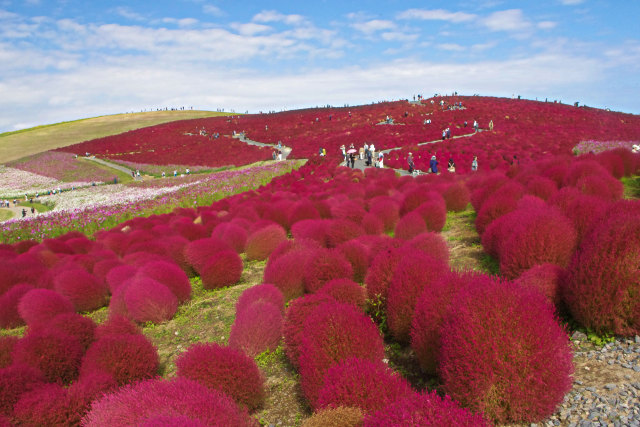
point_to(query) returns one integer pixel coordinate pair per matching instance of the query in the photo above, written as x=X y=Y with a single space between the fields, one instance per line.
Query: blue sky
x=69 y=59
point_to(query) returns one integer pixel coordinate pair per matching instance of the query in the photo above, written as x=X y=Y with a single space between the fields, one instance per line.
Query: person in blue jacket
x=433 y=164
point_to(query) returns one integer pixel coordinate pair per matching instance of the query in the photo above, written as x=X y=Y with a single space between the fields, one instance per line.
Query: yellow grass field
x=16 y=145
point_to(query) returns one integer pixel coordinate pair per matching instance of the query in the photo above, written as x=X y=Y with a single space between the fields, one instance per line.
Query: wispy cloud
x=547 y=25
x=374 y=25
x=210 y=9
x=127 y=13
x=507 y=20
x=436 y=15
x=274 y=16
x=571 y=2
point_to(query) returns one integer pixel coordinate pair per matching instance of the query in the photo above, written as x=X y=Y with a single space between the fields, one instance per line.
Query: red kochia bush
x=257 y=328
x=386 y=209
x=425 y=410
x=314 y=229
x=222 y=269
x=198 y=253
x=263 y=241
x=381 y=271
x=499 y=203
x=342 y=230
x=325 y=265
x=542 y=187
x=224 y=369
x=410 y=226
x=46 y=405
x=14 y=381
x=434 y=213
x=287 y=273
x=358 y=256
x=7 y=343
x=149 y=301
x=118 y=275
x=265 y=292
x=117 y=325
x=170 y=275
x=603 y=283
x=602 y=185
x=9 y=315
x=365 y=384
x=297 y=313
x=181 y=397
x=541 y=236
x=346 y=291
x=432 y=244
x=429 y=312
x=372 y=224
x=170 y=421
x=546 y=278
x=38 y=306
x=75 y=325
x=56 y=355
x=83 y=289
x=456 y=197
x=127 y=358
x=478 y=364
x=232 y=234
x=413 y=274
x=331 y=333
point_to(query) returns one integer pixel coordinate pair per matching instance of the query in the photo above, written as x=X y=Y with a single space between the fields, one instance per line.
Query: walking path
x=114 y=166
x=17 y=211
x=285 y=150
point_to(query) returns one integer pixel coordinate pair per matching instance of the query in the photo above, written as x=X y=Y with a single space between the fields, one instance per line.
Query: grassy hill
x=15 y=145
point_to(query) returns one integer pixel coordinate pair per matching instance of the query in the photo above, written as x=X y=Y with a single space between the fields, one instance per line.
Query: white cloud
x=396 y=36
x=452 y=47
x=250 y=29
x=184 y=22
x=507 y=20
x=546 y=25
x=571 y=2
x=436 y=15
x=210 y=9
x=369 y=27
x=127 y=13
x=273 y=16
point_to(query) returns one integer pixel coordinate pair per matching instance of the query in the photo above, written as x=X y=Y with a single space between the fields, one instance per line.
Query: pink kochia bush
x=346 y=291
x=222 y=269
x=477 y=362
x=358 y=256
x=232 y=234
x=456 y=196
x=410 y=226
x=603 y=285
x=332 y=333
x=14 y=381
x=170 y=275
x=265 y=292
x=48 y=405
x=257 y=328
x=7 y=343
x=127 y=358
x=9 y=315
x=364 y=384
x=83 y=289
x=38 y=306
x=425 y=410
x=75 y=325
x=224 y=369
x=325 y=265
x=117 y=325
x=287 y=273
x=546 y=278
x=149 y=301
x=181 y=397
x=412 y=275
x=263 y=241
x=54 y=354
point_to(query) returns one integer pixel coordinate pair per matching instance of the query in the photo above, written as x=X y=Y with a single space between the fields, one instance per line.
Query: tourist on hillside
x=175 y=173
x=448 y=133
x=451 y=166
x=465 y=123
x=273 y=154
x=433 y=164
x=163 y=174
x=188 y=171
x=474 y=163
x=33 y=210
x=380 y=160
x=411 y=164
x=444 y=134
x=279 y=155
x=343 y=150
x=353 y=160
x=475 y=125
x=372 y=149
x=24 y=212
x=491 y=126
x=361 y=153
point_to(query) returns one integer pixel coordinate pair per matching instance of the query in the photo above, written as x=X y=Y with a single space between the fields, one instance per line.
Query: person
x=474 y=163
x=320 y=151
x=324 y=152
x=411 y=164
x=163 y=174
x=448 y=133
x=279 y=155
x=33 y=210
x=491 y=126
x=361 y=153
x=133 y=174
x=24 y=212
x=451 y=166
x=273 y=154
x=372 y=150
x=475 y=125
x=353 y=159
x=344 y=153
x=380 y=160
x=369 y=158
x=279 y=145
x=635 y=148
x=187 y=171
x=465 y=123
x=433 y=164
x=137 y=172
x=175 y=173
x=444 y=134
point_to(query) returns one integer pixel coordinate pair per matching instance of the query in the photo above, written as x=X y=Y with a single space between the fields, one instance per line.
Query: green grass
x=631 y=187
x=5 y=214
x=39 y=207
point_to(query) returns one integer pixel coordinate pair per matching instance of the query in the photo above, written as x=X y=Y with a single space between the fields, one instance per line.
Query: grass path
x=19 y=144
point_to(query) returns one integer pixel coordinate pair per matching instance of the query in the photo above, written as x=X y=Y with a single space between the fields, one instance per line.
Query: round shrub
x=332 y=333
x=170 y=275
x=358 y=256
x=181 y=397
x=287 y=273
x=222 y=269
x=102 y=267
x=410 y=226
x=585 y=211
x=345 y=291
x=148 y=251
x=364 y=384
x=38 y=306
x=335 y=417
x=413 y=274
x=414 y=198
x=381 y=271
x=83 y=289
x=428 y=410
x=430 y=310
x=9 y=315
x=56 y=355
x=117 y=325
x=256 y=329
x=434 y=213
x=296 y=314
x=199 y=252
x=602 y=185
x=225 y=369
x=74 y=325
x=325 y=265
x=430 y=243
x=263 y=241
x=351 y=210
x=342 y=230
x=264 y=292
x=603 y=283
x=313 y=229
x=301 y=210
x=232 y=234
x=372 y=224
x=582 y=168
x=477 y=362
x=387 y=210
x=149 y=301
x=7 y=344
x=499 y=203
x=546 y=278
x=170 y=421
x=118 y=275
x=542 y=187
x=14 y=381
x=457 y=197
x=8 y=276
x=127 y=358
x=540 y=236
x=46 y=405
